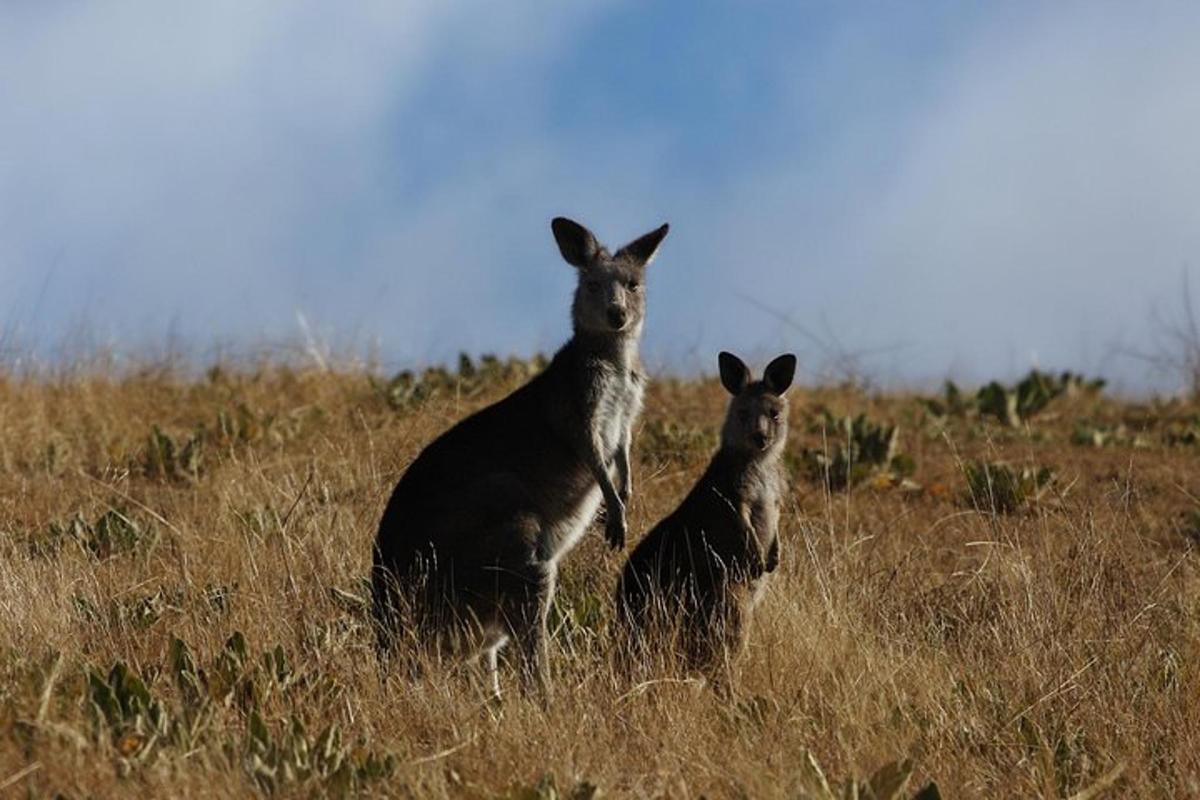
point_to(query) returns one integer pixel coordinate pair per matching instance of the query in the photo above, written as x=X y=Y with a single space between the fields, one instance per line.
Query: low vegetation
x=981 y=594
x=1000 y=488
x=853 y=450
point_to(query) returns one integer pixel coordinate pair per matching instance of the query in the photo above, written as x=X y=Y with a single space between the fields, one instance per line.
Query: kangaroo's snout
x=761 y=440
x=617 y=317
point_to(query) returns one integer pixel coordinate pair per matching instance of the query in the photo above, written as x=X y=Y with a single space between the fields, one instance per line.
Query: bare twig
x=1176 y=349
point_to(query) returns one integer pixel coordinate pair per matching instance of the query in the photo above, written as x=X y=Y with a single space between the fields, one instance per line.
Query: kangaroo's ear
x=779 y=373
x=576 y=243
x=735 y=375
x=643 y=249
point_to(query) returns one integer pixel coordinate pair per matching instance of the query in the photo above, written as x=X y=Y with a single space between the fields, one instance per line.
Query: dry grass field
x=182 y=567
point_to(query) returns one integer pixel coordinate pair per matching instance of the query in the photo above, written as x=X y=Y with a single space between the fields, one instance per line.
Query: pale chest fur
x=760 y=490
x=615 y=402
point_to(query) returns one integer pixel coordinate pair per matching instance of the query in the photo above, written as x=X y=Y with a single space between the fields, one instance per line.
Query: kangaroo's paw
x=614 y=527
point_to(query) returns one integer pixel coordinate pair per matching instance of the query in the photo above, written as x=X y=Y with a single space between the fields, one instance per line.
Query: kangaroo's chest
x=761 y=508
x=759 y=494
x=763 y=511
x=616 y=403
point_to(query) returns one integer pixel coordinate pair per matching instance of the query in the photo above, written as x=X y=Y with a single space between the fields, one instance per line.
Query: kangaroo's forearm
x=624 y=476
x=614 y=507
x=601 y=471
x=772 y=526
x=756 y=565
x=754 y=561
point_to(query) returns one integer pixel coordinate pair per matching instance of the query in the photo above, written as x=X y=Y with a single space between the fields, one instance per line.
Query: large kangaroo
x=700 y=572
x=468 y=547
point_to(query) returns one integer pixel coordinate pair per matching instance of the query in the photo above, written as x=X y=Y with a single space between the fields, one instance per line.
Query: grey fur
x=700 y=572
x=467 y=551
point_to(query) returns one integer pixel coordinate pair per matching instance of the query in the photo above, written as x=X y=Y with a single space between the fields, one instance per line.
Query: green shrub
x=952 y=403
x=1182 y=434
x=113 y=533
x=859 y=449
x=1014 y=405
x=408 y=389
x=1090 y=435
x=140 y=725
x=292 y=756
x=125 y=714
x=1002 y=489
x=174 y=459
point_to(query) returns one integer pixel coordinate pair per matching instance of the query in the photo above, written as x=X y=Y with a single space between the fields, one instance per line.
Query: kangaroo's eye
x=633 y=286
x=775 y=416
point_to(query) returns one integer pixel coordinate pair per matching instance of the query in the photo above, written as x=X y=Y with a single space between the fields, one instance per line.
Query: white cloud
x=1053 y=192
x=1043 y=196
x=223 y=164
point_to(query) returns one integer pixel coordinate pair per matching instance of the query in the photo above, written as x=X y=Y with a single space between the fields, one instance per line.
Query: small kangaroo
x=701 y=571
x=471 y=538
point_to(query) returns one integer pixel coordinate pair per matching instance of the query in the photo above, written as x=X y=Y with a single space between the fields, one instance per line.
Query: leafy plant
x=142 y=612
x=860 y=449
x=408 y=388
x=1182 y=434
x=952 y=403
x=1074 y=384
x=1090 y=435
x=175 y=459
x=238 y=424
x=244 y=425
x=1014 y=405
x=183 y=458
x=1003 y=489
x=294 y=756
x=113 y=533
x=139 y=724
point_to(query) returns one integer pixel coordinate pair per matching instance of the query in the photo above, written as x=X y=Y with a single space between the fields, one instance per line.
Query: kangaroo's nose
x=617 y=317
x=760 y=440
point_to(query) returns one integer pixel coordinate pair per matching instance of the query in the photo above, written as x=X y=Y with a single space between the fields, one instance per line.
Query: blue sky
x=936 y=189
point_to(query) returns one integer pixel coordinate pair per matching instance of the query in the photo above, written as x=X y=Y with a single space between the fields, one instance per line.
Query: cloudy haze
x=966 y=192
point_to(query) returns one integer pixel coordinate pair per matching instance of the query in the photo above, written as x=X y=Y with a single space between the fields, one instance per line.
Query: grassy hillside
x=1004 y=591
